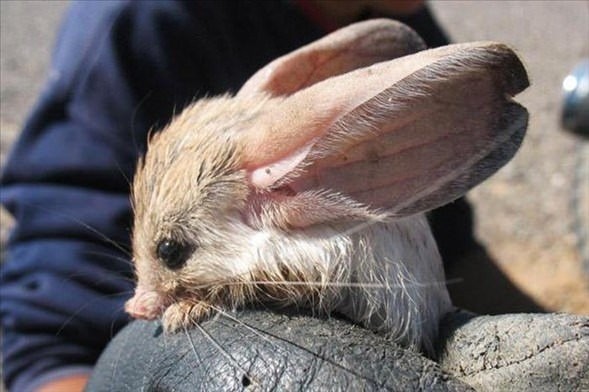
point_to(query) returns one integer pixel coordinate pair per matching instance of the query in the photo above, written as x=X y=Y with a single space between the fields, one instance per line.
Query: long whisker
x=367 y=285
x=81 y=308
x=260 y=332
x=361 y=226
x=219 y=348
x=114 y=274
x=124 y=260
x=257 y=332
x=338 y=284
x=84 y=225
x=193 y=348
x=263 y=334
x=134 y=118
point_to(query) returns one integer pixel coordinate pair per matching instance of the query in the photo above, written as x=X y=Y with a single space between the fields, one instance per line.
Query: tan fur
x=190 y=186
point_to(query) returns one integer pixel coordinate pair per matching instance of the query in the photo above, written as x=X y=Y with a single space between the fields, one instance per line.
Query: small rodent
x=308 y=187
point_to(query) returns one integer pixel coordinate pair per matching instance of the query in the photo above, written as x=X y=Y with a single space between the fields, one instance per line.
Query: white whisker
x=219 y=348
x=192 y=347
x=363 y=285
x=298 y=346
x=81 y=309
x=93 y=230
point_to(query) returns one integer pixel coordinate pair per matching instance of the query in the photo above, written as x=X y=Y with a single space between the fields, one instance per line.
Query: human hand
x=74 y=383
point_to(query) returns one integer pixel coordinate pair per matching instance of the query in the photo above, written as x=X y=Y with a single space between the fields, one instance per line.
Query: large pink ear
x=355 y=46
x=405 y=135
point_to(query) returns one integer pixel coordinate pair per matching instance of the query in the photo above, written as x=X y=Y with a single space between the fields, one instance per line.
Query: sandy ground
x=530 y=216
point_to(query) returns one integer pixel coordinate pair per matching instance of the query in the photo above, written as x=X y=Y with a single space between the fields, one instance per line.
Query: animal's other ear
x=406 y=135
x=352 y=47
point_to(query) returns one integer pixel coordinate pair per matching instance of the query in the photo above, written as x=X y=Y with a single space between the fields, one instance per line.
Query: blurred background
x=532 y=216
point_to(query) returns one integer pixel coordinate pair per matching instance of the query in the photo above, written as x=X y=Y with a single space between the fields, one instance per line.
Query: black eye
x=173 y=254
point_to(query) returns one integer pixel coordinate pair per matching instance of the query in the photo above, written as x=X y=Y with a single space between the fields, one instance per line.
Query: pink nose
x=146 y=305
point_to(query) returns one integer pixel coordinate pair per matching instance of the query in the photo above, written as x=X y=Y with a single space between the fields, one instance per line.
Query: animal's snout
x=146 y=305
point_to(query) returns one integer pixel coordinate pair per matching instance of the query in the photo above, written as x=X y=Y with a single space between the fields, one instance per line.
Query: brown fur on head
x=187 y=182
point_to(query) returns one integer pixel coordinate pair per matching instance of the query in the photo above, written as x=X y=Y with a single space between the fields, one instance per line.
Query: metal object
x=575 y=110
x=575 y=118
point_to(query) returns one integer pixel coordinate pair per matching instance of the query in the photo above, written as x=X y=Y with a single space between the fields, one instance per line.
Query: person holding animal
x=123 y=69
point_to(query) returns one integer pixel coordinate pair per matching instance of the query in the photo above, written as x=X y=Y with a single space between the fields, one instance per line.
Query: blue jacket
x=119 y=70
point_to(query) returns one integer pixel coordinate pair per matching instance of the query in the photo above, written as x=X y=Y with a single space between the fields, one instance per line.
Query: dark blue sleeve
x=119 y=69
x=64 y=276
